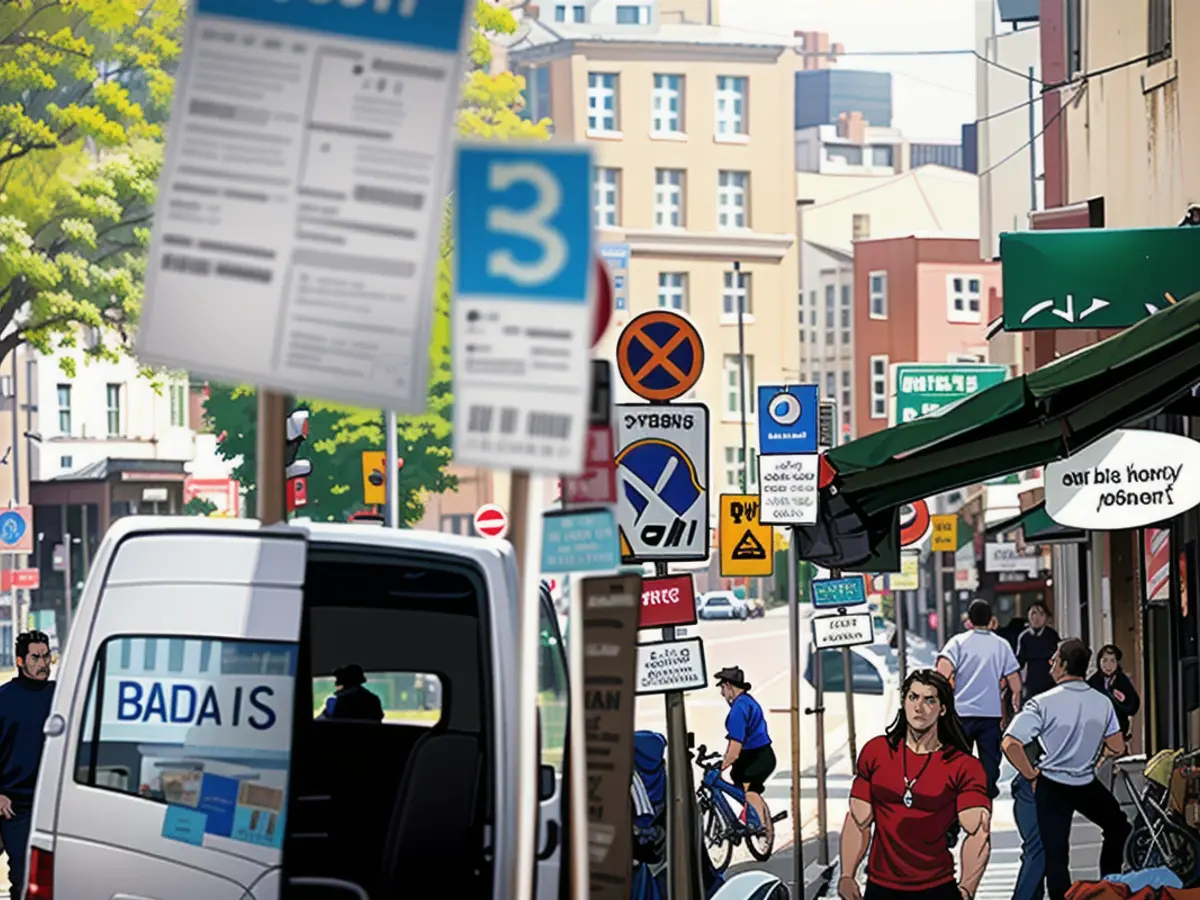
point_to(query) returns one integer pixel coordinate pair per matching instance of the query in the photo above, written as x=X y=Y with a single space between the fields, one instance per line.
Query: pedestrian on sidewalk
x=975 y=663
x=1110 y=679
x=24 y=707
x=1074 y=727
x=913 y=786
x=1036 y=645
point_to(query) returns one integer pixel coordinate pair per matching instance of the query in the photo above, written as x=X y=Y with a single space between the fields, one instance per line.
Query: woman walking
x=1110 y=679
x=915 y=786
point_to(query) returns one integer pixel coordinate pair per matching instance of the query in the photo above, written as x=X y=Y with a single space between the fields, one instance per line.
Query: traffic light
x=298 y=470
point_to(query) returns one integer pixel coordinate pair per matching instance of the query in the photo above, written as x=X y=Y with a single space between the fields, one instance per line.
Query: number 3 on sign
x=531 y=224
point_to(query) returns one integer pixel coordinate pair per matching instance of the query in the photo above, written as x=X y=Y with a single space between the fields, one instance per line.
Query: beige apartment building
x=691 y=125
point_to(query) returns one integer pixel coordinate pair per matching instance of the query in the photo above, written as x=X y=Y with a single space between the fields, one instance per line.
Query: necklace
x=907 y=799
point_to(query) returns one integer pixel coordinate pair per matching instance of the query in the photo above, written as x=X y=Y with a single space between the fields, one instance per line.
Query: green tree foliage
x=84 y=86
x=491 y=109
x=199 y=506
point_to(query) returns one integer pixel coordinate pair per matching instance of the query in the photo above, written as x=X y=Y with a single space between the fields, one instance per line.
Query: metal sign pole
x=391 y=472
x=822 y=780
x=793 y=601
x=66 y=590
x=271 y=478
x=848 y=685
x=683 y=840
x=901 y=627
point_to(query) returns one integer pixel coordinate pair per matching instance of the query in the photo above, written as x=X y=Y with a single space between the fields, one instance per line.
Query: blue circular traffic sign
x=12 y=528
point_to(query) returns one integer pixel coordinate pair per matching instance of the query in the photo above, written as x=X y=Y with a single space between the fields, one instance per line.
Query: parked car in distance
x=723 y=605
x=871 y=671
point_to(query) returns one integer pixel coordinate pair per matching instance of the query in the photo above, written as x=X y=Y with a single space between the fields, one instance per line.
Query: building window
x=536 y=96
x=633 y=15
x=668 y=198
x=66 y=463
x=862 y=226
x=847 y=313
x=112 y=395
x=731 y=105
x=6 y=386
x=882 y=155
x=732 y=188
x=1159 y=31
x=879 y=299
x=733 y=469
x=668 y=104
x=1075 y=37
x=736 y=294
x=560 y=14
x=830 y=385
x=848 y=154
x=963 y=302
x=606 y=197
x=64 y=409
x=879 y=380
x=579 y=13
x=672 y=290
x=178 y=405
x=602 y=102
x=830 y=310
x=733 y=386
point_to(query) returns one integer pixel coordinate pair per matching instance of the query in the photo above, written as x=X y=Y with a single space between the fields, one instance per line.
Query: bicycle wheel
x=1181 y=846
x=760 y=843
x=717 y=845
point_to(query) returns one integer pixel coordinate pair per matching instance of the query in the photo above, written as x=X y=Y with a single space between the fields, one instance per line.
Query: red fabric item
x=1180 y=894
x=1102 y=890
x=910 y=851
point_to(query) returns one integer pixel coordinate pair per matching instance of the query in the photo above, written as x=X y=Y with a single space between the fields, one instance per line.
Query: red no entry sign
x=914 y=523
x=604 y=301
x=491 y=521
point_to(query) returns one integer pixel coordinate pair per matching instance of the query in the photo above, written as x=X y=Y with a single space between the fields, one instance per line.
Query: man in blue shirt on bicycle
x=749 y=756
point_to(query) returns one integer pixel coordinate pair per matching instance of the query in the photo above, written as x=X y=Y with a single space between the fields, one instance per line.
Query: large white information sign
x=662 y=481
x=671 y=666
x=849 y=630
x=301 y=198
x=522 y=317
x=788 y=488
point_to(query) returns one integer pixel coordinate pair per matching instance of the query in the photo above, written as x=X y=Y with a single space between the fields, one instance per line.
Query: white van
x=186 y=755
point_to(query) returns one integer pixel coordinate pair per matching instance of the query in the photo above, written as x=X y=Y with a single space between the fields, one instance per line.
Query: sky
x=932 y=96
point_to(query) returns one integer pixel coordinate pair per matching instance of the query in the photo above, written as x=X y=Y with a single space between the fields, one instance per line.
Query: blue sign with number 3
x=523 y=223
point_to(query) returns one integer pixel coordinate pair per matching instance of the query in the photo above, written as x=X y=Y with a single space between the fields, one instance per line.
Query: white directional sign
x=662 y=472
x=849 y=630
x=522 y=318
x=788 y=488
x=296 y=235
x=671 y=666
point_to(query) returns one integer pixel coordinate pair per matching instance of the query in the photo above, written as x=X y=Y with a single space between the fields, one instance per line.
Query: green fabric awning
x=1037 y=528
x=1030 y=420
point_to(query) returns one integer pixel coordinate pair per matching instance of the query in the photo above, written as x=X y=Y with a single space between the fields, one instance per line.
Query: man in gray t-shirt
x=1075 y=727
x=976 y=662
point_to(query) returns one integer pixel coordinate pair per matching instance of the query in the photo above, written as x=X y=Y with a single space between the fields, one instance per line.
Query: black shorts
x=753 y=767
x=947 y=891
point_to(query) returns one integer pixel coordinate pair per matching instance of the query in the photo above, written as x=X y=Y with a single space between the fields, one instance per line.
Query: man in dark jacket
x=24 y=707
x=1035 y=648
x=350 y=699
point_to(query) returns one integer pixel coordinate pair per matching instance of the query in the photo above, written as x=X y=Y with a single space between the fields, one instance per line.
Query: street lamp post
x=741 y=315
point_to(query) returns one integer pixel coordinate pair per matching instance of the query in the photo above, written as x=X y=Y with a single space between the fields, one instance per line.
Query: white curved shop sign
x=1125 y=480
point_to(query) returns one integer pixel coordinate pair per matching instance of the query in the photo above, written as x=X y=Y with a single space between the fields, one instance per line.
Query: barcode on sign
x=481 y=418
x=548 y=425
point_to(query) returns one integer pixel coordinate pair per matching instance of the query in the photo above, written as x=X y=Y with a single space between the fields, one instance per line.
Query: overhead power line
x=1029 y=143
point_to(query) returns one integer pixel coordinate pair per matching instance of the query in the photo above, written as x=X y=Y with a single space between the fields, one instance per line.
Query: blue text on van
x=182 y=704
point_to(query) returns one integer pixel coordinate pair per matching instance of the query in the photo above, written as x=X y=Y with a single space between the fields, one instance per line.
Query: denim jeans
x=1031 y=879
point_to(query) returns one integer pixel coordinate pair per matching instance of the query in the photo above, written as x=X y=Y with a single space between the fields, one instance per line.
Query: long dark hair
x=949 y=726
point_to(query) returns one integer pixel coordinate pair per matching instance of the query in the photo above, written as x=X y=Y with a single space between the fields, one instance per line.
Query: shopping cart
x=1168 y=803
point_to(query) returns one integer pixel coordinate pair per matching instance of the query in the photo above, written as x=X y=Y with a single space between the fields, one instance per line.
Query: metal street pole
x=848 y=680
x=526 y=537
x=818 y=710
x=1033 y=204
x=939 y=594
x=683 y=840
x=271 y=478
x=901 y=637
x=16 y=478
x=66 y=590
x=741 y=312
x=793 y=601
x=391 y=475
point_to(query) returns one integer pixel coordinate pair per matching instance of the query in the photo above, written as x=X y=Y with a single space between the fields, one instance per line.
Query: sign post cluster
x=662 y=464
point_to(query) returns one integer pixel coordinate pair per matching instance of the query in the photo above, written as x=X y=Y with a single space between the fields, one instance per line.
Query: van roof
x=337 y=532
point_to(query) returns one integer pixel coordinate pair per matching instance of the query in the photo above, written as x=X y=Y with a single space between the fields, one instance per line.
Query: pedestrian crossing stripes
x=999 y=881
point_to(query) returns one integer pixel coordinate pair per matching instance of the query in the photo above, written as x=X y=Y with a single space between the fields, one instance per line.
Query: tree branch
x=15 y=39
x=19 y=152
x=33 y=15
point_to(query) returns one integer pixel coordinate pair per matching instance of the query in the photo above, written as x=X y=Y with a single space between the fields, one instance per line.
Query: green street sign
x=1095 y=277
x=919 y=389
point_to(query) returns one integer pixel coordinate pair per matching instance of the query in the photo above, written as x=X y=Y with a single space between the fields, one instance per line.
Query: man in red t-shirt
x=915 y=785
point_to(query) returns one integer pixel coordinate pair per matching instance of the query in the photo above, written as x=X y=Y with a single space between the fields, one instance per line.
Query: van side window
x=405 y=698
x=213 y=738
x=552 y=692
